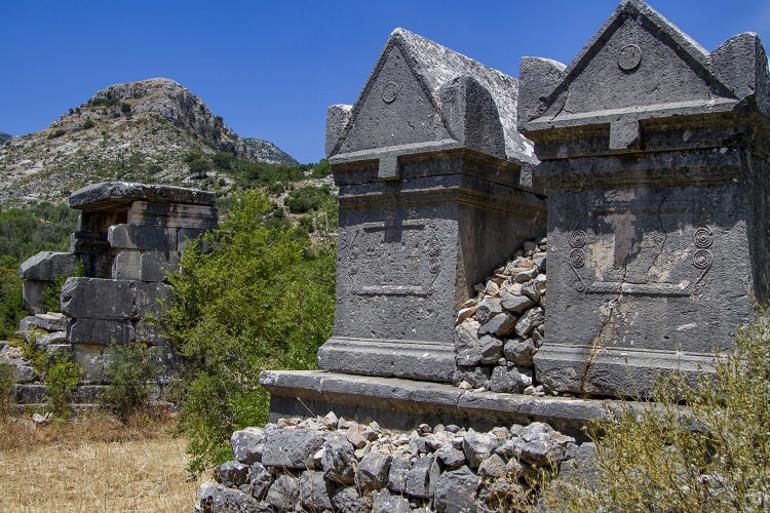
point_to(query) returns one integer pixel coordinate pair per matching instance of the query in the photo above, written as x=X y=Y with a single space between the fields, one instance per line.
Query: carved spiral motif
x=434 y=248
x=577 y=239
x=703 y=259
x=580 y=286
x=577 y=258
x=434 y=266
x=704 y=238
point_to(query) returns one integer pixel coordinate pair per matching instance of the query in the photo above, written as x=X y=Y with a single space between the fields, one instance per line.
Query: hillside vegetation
x=150 y=131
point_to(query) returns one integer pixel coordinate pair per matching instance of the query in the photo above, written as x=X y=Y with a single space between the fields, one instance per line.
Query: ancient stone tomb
x=127 y=238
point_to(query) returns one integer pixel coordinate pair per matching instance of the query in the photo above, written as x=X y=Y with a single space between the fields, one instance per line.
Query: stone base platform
x=404 y=404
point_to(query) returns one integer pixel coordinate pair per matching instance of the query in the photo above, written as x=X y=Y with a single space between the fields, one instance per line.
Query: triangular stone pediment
x=638 y=61
x=394 y=109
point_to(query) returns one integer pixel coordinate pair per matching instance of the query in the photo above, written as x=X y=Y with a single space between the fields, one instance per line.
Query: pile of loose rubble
x=499 y=331
x=330 y=464
x=47 y=332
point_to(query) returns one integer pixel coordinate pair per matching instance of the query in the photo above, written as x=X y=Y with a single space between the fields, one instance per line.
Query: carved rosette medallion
x=390 y=92
x=629 y=58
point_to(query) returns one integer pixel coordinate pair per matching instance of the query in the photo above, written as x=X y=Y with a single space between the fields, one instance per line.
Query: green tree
x=258 y=299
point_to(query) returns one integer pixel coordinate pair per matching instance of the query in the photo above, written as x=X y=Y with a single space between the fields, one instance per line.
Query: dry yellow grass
x=93 y=466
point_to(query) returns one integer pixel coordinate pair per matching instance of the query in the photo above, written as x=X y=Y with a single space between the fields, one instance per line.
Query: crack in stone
x=596 y=345
x=665 y=237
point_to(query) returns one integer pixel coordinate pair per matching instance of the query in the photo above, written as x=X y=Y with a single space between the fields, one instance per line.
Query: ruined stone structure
x=653 y=156
x=431 y=170
x=128 y=237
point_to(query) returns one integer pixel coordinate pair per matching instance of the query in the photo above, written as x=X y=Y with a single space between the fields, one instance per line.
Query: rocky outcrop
x=140 y=131
x=266 y=151
x=331 y=464
x=4 y=138
x=500 y=330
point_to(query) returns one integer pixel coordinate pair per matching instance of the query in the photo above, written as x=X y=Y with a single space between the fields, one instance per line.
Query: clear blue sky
x=271 y=68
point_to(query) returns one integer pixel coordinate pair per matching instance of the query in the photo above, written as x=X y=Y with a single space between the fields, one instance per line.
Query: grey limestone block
x=338 y=460
x=90 y=358
x=248 y=445
x=232 y=474
x=111 y=194
x=215 y=498
x=47 y=265
x=284 y=493
x=145 y=238
x=155 y=265
x=314 y=491
x=127 y=265
x=99 y=331
x=372 y=472
x=291 y=448
x=32 y=293
x=99 y=298
x=657 y=241
x=384 y=502
x=349 y=500
x=456 y=491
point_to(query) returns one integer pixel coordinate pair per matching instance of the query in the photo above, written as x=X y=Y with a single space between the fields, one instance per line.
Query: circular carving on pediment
x=389 y=92
x=629 y=57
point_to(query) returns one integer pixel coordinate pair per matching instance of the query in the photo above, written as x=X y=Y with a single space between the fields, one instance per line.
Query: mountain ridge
x=147 y=131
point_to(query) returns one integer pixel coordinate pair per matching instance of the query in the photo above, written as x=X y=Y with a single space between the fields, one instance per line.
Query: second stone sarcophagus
x=435 y=190
x=655 y=161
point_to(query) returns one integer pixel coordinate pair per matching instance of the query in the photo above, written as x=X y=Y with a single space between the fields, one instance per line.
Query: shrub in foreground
x=130 y=372
x=261 y=297
x=711 y=456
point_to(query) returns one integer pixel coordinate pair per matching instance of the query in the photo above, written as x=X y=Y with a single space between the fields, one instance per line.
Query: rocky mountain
x=269 y=152
x=148 y=131
x=4 y=138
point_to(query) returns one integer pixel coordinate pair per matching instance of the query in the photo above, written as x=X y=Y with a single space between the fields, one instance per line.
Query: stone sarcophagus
x=435 y=190
x=655 y=162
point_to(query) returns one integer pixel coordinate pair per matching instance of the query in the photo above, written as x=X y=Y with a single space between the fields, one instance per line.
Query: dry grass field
x=94 y=465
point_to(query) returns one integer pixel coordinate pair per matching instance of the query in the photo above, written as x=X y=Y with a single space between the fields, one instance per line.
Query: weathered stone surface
x=232 y=474
x=156 y=264
x=144 y=238
x=112 y=194
x=456 y=492
x=260 y=480
x=509 y=380
x=399 y=469
x=467 y=347
x=450 y=456
x=372 y=472
x=529 y=321
x=488 y=308
x=90 y=358
x=520 y=351
x=654 y=258
x=248 y=445
x=422 y=477
x=291 y=448
x=57 y=337
x=500 y=325
x=384 y=502
x=284 y=493
x=410 y=244
x=492 y=467
x=50 y=321
x=516 y=303
x=215 y=498
x=478 y=447
x=100 y=331
x=338 y=461
x=348 y=500
x=314 y=492
x=491 y=349
x=47 y=266
x=96 y=298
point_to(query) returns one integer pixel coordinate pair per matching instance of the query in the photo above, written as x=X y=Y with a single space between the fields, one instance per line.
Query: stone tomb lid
x=434 y=67
x=639 y=65
x=108 y=195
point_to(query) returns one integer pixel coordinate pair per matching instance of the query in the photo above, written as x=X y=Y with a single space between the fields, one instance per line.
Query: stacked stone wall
x=332 y=464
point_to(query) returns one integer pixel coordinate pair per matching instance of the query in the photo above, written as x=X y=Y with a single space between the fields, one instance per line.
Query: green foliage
x=24 y=232
x=102 y=102
x=712 y=455
x=58 y=133
x=130 y=370
x=258 y=299
x=61 y=379
x=88 y=124
x=308 y=198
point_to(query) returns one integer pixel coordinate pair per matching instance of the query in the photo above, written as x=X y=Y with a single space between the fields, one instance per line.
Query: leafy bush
x=130 y=371
x=712 y=456
x=58 y=133
x=88 y=124
x=61 y=379
x=259 y=299
x=11 y=304
x=308 y=198
x=6 y=387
